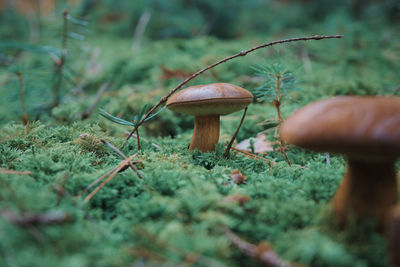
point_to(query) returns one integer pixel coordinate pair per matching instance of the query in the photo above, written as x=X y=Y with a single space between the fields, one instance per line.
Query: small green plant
x=279 y=82
x=133 y=123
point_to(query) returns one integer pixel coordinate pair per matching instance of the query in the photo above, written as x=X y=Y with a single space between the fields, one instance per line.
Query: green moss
x=177 y=210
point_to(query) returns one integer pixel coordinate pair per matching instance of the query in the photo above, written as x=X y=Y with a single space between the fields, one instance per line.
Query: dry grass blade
x=4 y=171
x=98 y=180
x=115 y=172
x=122 y=155
x=250 y=155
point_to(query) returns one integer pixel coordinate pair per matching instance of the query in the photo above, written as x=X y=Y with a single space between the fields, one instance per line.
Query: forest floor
x=177 y=213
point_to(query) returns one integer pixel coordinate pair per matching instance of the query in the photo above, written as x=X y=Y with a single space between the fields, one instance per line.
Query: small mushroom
x=207 y=103
x=367 y=131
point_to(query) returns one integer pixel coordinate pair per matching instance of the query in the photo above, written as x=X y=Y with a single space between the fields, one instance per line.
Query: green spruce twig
x=240 y=54
x=136 y=118
x=279 y=83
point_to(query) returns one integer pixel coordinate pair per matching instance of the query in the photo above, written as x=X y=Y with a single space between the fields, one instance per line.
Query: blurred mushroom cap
x=210 y=99
x=361 y=127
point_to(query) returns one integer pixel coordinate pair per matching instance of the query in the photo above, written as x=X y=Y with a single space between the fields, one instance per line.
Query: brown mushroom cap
x=210 y=99
x=360 y=127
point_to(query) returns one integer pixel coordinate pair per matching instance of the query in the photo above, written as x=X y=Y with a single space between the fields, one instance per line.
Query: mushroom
x=207 y=103
x=367 y=131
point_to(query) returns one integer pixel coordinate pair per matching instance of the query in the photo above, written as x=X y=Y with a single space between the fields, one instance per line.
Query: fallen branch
x=263 y=252
x=240 y=54
x=36 y=219
x=113 y=173
x=4 y=171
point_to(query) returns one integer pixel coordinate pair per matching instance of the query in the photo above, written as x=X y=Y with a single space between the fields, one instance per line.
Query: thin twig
x=240 y=54
x=122 y=155
x=29 y=219
x=137 y=137
x=140 y=28
x=143 y=139
x=252 y=156
x=100 y=93
x=22 y=94
x=262 y=253
x=98 y=180
x=115 y=172
x=59 y=63
x=228 y=148
x=277 y=103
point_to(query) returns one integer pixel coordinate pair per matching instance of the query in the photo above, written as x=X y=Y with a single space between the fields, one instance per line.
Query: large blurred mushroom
x=367 y=131
x=207 y=103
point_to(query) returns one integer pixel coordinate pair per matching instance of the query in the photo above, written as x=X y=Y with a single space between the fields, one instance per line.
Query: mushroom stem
x=205 y=133
x=368 y=189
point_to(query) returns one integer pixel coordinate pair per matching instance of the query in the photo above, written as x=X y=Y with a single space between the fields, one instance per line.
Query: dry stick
x=240 y=54
x=133 y=167
x=265 y=256
x=252 y=156
x=102 y=90
x=4 y=171
x=226 y=154
x=115 y=172
x=22 y=93
x=98 y=180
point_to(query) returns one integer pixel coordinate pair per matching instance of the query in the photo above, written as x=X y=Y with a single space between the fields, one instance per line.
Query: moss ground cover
x=177 y=213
